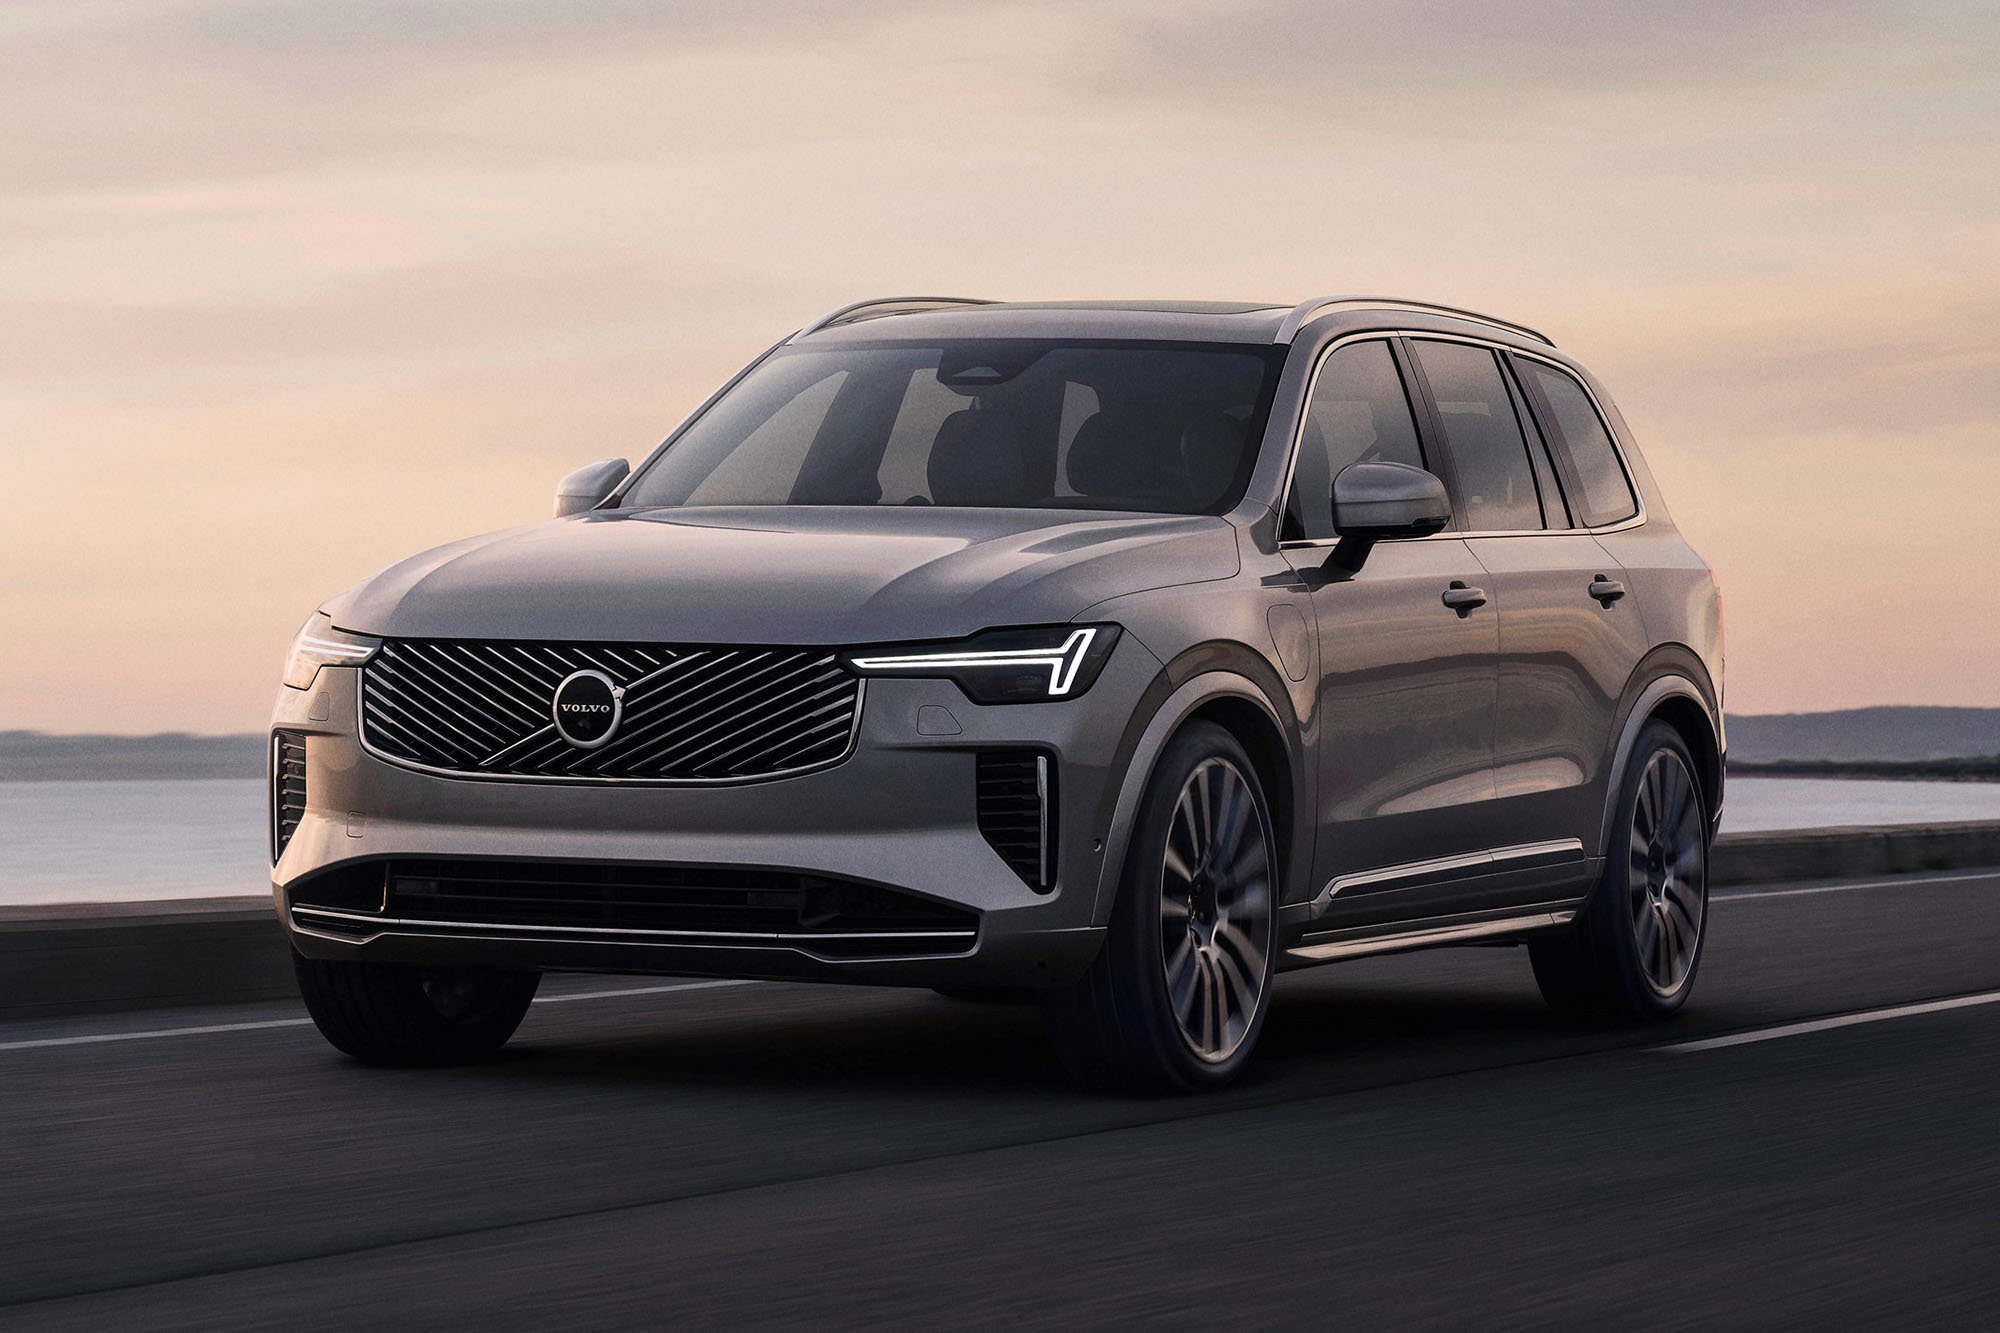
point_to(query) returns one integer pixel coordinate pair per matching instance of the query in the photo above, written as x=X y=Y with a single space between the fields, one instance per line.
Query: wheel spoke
x=1687 y=861
x=1669 y=774
x=1235 y=942
x=1187 y=824
x=1646 y=811
x=1686 y=929
x=1205 y=987
x=1663 y=965
x=1220 y=1006
x=1233 y=803
x=1242 y=995
x=1645 y=926
x=1204 y=817
x=1181 y=982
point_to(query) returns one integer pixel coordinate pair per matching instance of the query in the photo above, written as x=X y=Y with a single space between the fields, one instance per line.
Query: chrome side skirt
x=1423 y=937
x=1558 y=851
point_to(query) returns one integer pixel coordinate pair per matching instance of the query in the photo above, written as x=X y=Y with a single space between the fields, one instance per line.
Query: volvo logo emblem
x=588 y=707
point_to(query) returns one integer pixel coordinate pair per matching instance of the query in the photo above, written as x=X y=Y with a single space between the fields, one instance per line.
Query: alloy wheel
x=1667 y=878
x=1216 y=914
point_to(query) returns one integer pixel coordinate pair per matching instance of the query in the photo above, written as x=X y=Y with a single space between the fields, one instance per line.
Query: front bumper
x=900 y=813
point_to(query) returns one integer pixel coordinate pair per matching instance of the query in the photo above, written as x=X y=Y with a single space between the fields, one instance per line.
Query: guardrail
x=117 y=956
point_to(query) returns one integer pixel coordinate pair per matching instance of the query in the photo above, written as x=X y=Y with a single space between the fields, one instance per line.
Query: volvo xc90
x=1121 y=654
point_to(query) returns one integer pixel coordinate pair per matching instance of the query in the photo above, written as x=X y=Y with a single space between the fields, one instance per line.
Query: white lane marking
x=1824 y=1024
x=1898 y=882
x=639 y=990
x=95 y=1038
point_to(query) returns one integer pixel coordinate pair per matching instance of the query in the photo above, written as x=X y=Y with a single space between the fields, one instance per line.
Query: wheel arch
x=1207 y=685
x=1671 y=686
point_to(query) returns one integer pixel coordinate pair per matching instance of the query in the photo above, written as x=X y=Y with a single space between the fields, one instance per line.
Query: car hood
x=831 y=575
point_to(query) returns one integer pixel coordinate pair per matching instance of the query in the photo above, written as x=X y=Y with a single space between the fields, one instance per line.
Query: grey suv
x=1121 y=654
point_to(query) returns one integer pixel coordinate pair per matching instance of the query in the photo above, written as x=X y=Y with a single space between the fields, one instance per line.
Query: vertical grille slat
x=288 y=789
x=1016 y=797
x=693 y=714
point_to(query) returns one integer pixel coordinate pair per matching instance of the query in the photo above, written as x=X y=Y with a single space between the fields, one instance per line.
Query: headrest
x=976 y=461
x=1211 y=453
x=1110 y=457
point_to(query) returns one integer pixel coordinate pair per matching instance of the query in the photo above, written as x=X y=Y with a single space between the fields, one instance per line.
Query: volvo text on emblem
x=587 y=709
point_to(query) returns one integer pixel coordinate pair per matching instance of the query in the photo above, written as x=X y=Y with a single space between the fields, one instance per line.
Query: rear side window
x=1359 y=413
x=1496 y=479
x=1607 y=492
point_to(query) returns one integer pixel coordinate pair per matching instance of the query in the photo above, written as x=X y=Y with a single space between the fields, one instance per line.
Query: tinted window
x=1555 y=514
x=1165 y=428
x=1358 y=413
x=1607 y=494
x=1496 y=480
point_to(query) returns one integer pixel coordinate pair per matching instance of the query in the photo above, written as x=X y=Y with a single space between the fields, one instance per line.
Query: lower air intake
x=631 y=903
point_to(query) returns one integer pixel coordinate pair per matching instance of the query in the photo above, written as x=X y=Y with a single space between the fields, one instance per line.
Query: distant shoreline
x=33 y=756
x=1915 y=770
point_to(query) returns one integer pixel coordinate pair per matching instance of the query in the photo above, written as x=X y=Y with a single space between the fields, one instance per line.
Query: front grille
x=690 y=714
x=1017 y=812
x=288 y=788
x=831 y=917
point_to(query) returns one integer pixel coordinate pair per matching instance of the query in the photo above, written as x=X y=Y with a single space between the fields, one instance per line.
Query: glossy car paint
x=1405 y=742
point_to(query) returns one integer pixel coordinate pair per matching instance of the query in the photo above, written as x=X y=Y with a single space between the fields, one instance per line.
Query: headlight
x=1003 y=666
x=319 y=644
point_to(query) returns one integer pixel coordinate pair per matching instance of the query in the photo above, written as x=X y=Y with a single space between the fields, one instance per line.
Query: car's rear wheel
x=1634 y=953
x=1177 y=996
x=396 y=1014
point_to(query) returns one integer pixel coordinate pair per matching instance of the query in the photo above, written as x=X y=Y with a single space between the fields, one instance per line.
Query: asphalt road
x=1421 y=1142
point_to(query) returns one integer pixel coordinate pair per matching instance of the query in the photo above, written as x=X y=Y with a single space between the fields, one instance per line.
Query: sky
x=290 y=290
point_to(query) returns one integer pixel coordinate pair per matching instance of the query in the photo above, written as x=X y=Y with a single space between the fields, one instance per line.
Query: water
x=1759 y=805
x=119 y=841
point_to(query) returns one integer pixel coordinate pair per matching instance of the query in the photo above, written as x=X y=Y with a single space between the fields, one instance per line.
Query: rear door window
x=1489 y=453
x=1555 y=513
x=1359 y=413
x=1581 y=434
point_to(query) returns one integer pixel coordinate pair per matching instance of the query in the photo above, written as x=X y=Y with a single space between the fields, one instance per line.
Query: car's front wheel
x=1176 y=998
x=397 y=1014
x=1633 y=954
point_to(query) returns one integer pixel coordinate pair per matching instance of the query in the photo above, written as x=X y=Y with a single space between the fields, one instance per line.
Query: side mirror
x=1375 y=502
x=586 y=487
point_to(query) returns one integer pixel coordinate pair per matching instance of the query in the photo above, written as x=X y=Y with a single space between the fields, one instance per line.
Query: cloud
x=340 y=280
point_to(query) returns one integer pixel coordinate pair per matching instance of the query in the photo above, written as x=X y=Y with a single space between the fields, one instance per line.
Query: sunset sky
x=290 y=290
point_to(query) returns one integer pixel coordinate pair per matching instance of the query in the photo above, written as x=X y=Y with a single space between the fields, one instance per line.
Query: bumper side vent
x=1017 y=805
x=288 y=788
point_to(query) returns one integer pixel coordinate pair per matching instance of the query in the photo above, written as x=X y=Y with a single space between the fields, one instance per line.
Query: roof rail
x=1319 y=305
x=884 y=306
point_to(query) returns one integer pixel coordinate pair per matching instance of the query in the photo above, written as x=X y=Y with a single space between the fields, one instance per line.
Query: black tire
x=1213 y=930
x=1633 y=954
x=394 y=1014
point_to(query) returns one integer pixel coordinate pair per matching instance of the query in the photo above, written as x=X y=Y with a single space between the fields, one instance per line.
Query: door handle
x=1606 y=590
x=1463 y=599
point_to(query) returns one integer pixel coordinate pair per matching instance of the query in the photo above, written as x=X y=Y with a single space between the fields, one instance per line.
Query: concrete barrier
x=1848 y=853
x=115 y=956
x=80 y=958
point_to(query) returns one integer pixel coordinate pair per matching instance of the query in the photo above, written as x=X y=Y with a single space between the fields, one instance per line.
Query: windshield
x=1003 y=423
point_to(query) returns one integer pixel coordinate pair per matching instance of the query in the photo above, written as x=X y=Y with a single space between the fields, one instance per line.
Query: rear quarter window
x=1581 y=434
